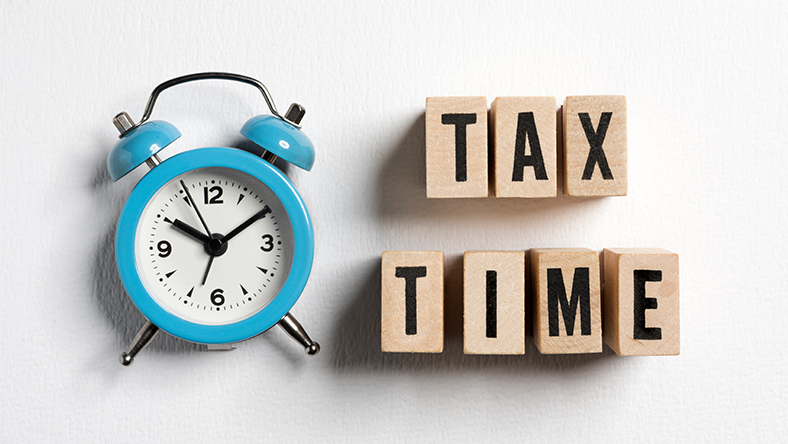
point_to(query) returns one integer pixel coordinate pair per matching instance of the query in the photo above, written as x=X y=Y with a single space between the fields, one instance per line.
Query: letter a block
x=641 y=301
x=494 y=302
x=456 y=145
x=412 y=301
x=567 y=301
x=595 y=146
x=524 y=135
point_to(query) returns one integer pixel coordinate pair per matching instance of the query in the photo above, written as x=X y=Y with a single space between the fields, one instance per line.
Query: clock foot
x=293 y=328
x=143 y=338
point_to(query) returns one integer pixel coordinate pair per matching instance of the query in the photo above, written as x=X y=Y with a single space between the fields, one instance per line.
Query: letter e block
x=412 y=301
x=641 y=301
x=595 y=146
x=524 y=136
x=456 y=145
x=567 y=304
x=494 y=302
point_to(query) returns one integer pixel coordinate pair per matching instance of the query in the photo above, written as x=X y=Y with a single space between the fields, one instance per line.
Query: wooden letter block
x=595 y=146
x=456 y=141
x=494 y=302
x=412 y=301
x=524 y=136
x=566 y=300
x=641 y=301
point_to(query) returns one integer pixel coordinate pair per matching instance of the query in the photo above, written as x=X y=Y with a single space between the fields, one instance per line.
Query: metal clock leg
x=143 y=338
x=293 y=328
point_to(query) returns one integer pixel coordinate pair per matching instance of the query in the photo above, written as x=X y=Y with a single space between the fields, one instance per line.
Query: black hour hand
x=189 y=230
x=259 y=215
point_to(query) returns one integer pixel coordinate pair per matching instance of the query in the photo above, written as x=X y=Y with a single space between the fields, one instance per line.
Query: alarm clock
x=214 y=245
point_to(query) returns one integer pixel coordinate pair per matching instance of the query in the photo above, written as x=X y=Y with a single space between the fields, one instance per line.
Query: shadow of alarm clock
x=214 y=245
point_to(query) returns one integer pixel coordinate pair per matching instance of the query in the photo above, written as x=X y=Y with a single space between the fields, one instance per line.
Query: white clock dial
x=225 y=280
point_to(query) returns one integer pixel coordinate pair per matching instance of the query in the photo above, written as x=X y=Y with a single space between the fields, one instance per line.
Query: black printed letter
x=410 y=274
x=595 y=140
x=642 y=303
x=556 y=292
x=461 y=121
x=492 y=304
x=526 y=129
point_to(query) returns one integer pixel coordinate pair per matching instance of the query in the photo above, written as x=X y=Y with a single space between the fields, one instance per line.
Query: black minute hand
x=259 y=215
x=196 y=210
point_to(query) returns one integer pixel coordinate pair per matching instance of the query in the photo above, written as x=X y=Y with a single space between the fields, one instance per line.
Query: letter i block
x=641 y=301
x=524 y=135
x=567 y=301
x=412 y=301
x=595 y=146
x=494 y=302
x=456 y=145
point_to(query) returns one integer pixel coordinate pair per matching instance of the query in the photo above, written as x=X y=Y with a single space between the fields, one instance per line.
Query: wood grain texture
x=547 y=283
x=418 y=327
x=595 y=145
x=494 y=302
x=524 y=132
x=641 y=301
x=448 y=125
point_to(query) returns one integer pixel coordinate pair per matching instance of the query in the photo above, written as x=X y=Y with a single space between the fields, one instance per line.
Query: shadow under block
x=595 y=145
x=641 y=301
x=456 y=146
x=494 y=302
x=567 y=307
x=412 y=301
x=524 y=146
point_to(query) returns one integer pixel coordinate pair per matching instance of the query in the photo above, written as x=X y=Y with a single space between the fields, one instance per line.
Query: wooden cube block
x=412 y=301
x=524 y=139
x=595 y=146
x=494 y=302
x=456 y=145
x=566 y=300
x=641 y=301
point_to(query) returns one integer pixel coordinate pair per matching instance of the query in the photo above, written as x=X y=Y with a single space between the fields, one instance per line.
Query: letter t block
x=641 y=301
x=412 y=301
x=456 y=146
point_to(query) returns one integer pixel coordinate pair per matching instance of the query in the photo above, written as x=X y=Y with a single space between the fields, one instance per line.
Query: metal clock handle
x=208 y=76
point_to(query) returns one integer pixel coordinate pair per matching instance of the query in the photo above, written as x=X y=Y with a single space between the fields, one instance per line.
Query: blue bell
x=138 y=144
x=281 y=138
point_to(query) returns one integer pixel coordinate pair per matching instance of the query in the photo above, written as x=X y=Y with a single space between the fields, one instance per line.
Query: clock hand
x=189 y=230
x=205 y=276
x=197 y=210
x=259 y=215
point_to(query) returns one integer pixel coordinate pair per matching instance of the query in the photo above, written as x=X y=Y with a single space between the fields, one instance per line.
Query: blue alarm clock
x=214 y=245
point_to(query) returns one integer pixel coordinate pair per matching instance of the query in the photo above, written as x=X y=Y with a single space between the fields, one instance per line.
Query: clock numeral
x=217 y=297
x=214 y=198
x=164 y=248
x=269 y=243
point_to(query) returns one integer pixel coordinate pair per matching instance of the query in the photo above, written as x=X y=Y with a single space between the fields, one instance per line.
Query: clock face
x=220 y=276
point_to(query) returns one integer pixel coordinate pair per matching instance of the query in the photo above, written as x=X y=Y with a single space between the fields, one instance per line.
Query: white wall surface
x=706 y=90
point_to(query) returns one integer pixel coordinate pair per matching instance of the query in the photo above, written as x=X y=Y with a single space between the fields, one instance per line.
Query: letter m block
x=567 y=302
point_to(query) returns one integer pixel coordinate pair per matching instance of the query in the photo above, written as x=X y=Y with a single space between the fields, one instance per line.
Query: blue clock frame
x=256 y=167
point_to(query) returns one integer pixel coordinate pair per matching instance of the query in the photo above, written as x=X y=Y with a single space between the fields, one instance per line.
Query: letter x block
x=595 y=146
x=494 y=302
x=566 y=300
x=412 y=301
x=641 y=301
x=524 y=135
x=456 y=146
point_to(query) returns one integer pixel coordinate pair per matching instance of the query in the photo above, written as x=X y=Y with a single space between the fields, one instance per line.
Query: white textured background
x=706 y=89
